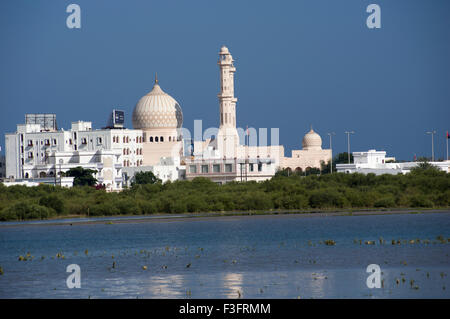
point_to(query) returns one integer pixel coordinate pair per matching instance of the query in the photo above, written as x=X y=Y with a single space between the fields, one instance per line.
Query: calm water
x=230 y=257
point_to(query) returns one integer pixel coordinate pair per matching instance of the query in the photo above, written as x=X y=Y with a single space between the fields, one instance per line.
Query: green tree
x=82 y=176
x=342 y=158
x=141 y=178
x=52 y=201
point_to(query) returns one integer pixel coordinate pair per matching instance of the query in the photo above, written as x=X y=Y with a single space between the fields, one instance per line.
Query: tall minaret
x=227 y=138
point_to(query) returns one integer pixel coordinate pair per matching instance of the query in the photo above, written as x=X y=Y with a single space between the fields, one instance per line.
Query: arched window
x=124 y=152
x=27 y=175
x=156 y=138
x=151 y=138
x=170 y=138
x=124 y=163
x=162 y=139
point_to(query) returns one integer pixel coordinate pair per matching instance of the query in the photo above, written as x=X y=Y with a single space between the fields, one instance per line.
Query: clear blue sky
x=298 y=63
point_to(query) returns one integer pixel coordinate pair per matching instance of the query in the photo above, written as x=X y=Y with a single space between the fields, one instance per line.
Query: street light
x=432 y=144
x=331 y=148
x=348 y=143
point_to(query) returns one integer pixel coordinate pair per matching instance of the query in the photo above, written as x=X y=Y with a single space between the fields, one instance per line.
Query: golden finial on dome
x=156 y=77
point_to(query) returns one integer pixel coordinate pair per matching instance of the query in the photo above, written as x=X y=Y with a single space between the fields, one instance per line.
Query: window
x=216 y=168
x=161 y=139
x=30 y=143
x=251 y=168
x=170 y=138
x=260 y=167
x=47 y=142
x=83 y=140
x=70 y=141
x=228 y=168
x=30 y=154
x=99 y=140
x=54 y=141
x=151 y=138
x=204 y=168
x=192 y=169
x=156 y=138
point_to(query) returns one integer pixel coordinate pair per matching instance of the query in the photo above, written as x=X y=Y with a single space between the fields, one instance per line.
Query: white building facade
x=376 y=162
x=32 y=152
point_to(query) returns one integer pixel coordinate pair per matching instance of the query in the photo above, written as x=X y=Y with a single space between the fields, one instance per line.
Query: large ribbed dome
x=312 y=141
x=157 y=109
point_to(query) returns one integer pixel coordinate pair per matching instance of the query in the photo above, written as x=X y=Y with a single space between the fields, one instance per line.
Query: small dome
x=157 y=109
x=224 y=50
x=312 y=141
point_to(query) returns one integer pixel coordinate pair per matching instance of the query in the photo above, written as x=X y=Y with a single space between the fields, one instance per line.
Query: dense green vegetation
x=145 y=178
x=423 y=187
x=82 y=177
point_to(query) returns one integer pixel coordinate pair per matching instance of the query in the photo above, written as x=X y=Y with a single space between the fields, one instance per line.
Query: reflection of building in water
x=233 y=282
x=169 y=286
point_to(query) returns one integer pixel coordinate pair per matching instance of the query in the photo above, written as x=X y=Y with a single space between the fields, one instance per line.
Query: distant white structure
x=63 y=182
x=34 y=152
x=377 y=163
x=311 y=156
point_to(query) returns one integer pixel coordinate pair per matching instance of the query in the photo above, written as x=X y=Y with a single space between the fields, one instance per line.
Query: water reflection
x=233 y=282
x=168 y=286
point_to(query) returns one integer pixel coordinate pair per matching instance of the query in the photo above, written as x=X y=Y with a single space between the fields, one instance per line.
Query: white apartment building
x=34 y=152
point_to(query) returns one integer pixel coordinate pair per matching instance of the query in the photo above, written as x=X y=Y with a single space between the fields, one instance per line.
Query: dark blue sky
x=298 y=63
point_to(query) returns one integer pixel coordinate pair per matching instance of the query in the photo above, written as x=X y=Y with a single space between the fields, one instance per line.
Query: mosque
x=221 y=158
x=40 y=152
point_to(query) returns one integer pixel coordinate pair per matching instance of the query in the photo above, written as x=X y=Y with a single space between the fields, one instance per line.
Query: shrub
x=386 y=201
x=53 y=201
x=25 y=211
x=104 y=209
x=148 y=207
x=421 y=201
x=326 y=198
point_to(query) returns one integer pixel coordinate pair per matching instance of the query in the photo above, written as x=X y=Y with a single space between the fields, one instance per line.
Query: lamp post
x=331 y=148
x=348 y=143
x=432 y=143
